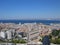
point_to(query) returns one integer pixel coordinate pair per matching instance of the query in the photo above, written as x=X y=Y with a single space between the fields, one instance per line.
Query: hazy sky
x=29 y=9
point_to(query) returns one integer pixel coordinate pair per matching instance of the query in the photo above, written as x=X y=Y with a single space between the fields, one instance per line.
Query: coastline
x=31 y=21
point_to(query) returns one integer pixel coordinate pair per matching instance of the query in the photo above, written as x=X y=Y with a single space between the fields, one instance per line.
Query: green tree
x=55 y=32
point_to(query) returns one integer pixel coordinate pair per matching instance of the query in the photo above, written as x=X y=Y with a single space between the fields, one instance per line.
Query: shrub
x=18 y=41
x=56 y=41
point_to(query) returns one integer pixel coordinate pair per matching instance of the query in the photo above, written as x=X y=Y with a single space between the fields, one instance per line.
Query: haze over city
x=29 y=9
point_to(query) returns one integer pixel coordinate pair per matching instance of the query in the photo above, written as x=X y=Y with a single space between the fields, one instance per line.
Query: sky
x=29 y=9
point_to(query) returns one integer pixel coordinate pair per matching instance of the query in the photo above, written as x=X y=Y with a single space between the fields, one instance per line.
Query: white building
x=10 y=33
x=2 y=34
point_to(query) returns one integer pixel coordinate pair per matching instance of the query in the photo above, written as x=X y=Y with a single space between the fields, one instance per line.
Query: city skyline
x=29 y=9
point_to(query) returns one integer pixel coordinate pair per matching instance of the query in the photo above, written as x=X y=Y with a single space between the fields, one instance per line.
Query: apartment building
x=33 y=32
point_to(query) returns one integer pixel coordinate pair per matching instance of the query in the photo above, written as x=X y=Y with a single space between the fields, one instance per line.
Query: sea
x=30 y=21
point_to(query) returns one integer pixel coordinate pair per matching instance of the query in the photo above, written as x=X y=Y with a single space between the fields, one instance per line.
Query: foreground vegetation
x=55 y=41
x=14 y=41
x=54 y=37
x=18 y=41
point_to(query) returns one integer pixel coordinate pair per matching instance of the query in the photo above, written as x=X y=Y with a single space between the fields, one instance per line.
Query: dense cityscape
x=31 y=33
